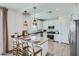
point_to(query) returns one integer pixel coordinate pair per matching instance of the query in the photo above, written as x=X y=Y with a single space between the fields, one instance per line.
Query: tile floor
x=55 y=49
x=58 y=49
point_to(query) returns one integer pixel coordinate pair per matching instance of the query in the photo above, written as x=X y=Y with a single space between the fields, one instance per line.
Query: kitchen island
x=40 y=41
x=43 y=43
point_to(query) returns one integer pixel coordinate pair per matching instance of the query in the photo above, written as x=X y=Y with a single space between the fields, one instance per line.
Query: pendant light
x=25 y=22
x=25 y=25
x=34 y=21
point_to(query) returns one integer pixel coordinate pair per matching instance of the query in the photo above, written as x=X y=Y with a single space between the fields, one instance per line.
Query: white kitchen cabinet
x=75 y=14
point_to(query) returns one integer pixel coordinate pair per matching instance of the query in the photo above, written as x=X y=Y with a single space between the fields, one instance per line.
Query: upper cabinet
x=75 y=13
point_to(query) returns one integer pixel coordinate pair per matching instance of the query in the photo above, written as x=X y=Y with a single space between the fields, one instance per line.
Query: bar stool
x=22 y=47
x=33 y=50
x=15 y=45
x=19 y=47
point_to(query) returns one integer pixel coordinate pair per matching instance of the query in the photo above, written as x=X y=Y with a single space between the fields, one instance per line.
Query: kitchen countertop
x=27 y=38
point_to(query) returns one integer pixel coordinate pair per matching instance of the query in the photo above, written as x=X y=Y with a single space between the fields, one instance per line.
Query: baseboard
x=58 y=42
x=65 y=43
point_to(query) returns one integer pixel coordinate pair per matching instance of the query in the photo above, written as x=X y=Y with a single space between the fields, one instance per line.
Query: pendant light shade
x=25 y=14
x=25 y=25
x=34 y=21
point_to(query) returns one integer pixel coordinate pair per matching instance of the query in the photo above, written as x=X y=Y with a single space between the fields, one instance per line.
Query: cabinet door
x=75 y=15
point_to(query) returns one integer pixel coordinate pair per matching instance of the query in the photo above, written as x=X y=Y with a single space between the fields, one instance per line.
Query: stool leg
x=41 y=52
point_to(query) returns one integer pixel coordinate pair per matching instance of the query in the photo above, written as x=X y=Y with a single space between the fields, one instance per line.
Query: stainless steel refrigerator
x=74 y=38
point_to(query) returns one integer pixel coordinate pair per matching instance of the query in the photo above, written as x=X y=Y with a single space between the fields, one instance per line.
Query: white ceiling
x=58 y=9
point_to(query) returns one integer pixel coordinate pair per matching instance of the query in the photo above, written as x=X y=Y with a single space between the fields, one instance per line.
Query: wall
x=62 y=26
x=14 y=24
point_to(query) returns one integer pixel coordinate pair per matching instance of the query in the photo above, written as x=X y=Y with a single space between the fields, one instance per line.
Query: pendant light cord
x=34 y=12
x=25 y=14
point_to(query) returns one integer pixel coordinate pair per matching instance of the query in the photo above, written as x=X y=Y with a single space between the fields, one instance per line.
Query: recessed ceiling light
x=49 y=11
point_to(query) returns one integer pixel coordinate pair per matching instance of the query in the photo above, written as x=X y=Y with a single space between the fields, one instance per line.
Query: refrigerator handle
x=69 y=37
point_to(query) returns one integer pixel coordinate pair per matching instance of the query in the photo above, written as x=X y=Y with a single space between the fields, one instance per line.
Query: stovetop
x=52 y=32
